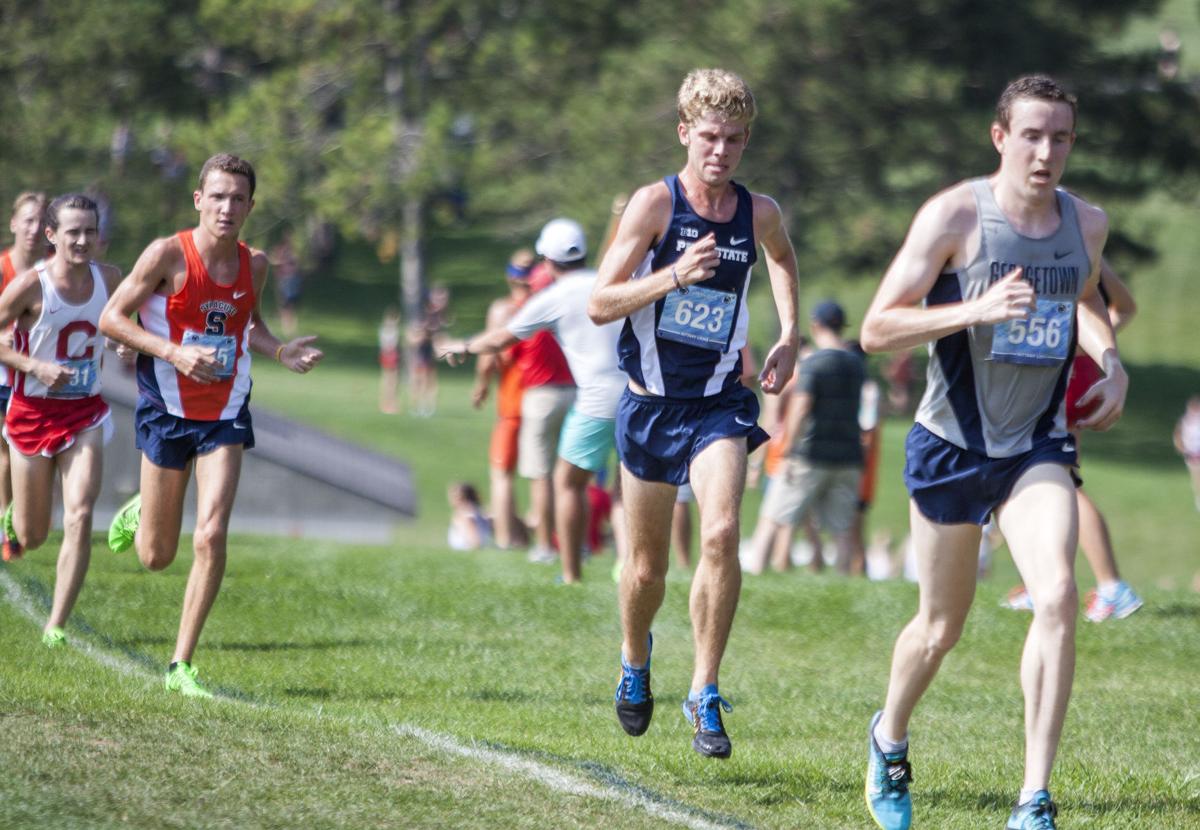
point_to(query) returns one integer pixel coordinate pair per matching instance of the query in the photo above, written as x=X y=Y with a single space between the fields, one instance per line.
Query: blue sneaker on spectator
x=1038 y=814
x=888 y=777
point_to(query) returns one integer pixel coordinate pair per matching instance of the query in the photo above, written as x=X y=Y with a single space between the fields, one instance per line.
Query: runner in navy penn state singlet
x=678 y=270
x=999 y=277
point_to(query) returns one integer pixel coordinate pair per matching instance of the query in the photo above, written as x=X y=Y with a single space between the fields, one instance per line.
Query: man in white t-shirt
x=591 y=351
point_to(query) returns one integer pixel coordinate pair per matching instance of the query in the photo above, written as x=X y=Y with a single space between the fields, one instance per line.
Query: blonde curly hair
x=715 y=91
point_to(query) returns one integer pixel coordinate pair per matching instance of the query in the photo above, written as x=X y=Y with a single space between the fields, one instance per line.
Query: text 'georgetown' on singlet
x=689 y=345
x=999 y=389
x=66 y=334
x=205 y=314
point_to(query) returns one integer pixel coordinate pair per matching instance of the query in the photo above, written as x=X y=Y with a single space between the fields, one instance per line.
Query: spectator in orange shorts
x=508 y=529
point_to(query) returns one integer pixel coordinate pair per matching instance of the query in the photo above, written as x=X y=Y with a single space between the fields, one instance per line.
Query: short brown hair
x=228 y=163
x=715 y=91
x=1039 y=87
x=70 y=200
x=31 y=197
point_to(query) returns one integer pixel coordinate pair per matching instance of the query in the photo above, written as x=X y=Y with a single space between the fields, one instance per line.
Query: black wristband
x=680 y=286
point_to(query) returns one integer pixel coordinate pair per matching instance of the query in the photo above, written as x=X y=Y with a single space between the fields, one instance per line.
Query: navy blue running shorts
x=171 y=441
x=951 y=485
x=657 y=437
x=5 y=395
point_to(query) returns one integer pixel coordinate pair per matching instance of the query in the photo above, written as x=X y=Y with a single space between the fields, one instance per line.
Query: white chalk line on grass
x=511 y=762
x=21 y=601
x=555 y=779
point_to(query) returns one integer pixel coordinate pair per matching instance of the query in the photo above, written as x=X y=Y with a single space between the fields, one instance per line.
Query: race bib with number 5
x=224 y=346
x=702 y=317
x=1041 y=339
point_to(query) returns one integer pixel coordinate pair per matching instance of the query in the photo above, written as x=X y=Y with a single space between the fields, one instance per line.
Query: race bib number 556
x=1041 y=339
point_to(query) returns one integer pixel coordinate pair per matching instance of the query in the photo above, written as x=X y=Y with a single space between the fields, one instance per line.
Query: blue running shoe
x=1038 y=814
x=635 y=703
x=1118 y=606
x=888 y=777
x=703 y=712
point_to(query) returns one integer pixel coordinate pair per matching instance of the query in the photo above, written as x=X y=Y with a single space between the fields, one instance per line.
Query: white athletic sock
x=888 y=746
x=1026 y=796
x=1108 y=589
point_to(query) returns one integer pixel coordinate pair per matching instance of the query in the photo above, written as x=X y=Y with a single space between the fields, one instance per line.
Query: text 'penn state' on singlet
x=66 y=334
x=689 y=345
x=999 y=389
x=206 y=314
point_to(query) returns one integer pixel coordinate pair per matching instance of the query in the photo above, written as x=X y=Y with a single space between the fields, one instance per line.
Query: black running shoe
x=635 y=703
x=703 y=712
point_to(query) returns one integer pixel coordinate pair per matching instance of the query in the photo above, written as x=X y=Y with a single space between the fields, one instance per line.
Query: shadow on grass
x=315 y=645
x=1175 y=609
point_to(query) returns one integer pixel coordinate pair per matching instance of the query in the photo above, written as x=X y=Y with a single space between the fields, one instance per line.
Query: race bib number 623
x=703 y=317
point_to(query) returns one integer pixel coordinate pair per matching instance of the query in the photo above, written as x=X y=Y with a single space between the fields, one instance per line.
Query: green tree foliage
x=380 y=117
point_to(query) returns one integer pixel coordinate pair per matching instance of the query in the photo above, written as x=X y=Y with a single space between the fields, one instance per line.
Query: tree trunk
x=412 y=257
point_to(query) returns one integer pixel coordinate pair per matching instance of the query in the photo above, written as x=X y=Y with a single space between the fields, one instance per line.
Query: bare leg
x=541 y=497
x=1194 y=472
x=681 y=533
x=504 y=510
x=217 y=475
x=6 y=489
x=82 y=466
x=718 y=476
x=648 y=507
x=163 y=489
x=1095 y=541
x=781 y=547
x=571 y=514
x=620 y=528
x=762 y=544
x=946 y=562
x=1040 y=523
x=32 y=482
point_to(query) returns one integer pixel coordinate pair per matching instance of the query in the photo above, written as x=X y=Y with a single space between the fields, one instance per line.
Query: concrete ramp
x=297 y=481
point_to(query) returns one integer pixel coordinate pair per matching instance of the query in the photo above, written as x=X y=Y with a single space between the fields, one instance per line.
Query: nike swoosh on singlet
x=733 y=240
x=1057 y=255
x=237 y=295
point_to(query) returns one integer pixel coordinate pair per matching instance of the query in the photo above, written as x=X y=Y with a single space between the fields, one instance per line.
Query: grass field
x=405 y=686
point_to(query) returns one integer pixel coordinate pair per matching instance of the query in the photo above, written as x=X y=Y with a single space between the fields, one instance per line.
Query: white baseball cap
x=562 y=240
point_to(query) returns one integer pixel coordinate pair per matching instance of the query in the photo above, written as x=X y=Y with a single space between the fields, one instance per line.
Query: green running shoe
x=54 y=637
x=183 y=678
x=125 y=524
x=10 y=548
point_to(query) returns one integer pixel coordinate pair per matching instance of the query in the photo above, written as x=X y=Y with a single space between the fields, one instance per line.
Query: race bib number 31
x=81 y=382
x=223 y=345
x=702 y=317
x=1041 y=339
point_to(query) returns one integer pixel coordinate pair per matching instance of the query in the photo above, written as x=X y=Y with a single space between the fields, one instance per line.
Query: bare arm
x=154 y=273
x=298 y=355
x=897 y=320
x=781 y=269
x=23 y=299
x=490 y=365
x=798 y=411
x=1096 y=335
x=616 y=295
x=1122 y=308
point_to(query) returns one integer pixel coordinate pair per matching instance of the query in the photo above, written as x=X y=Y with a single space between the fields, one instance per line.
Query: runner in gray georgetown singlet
x=997 y=389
